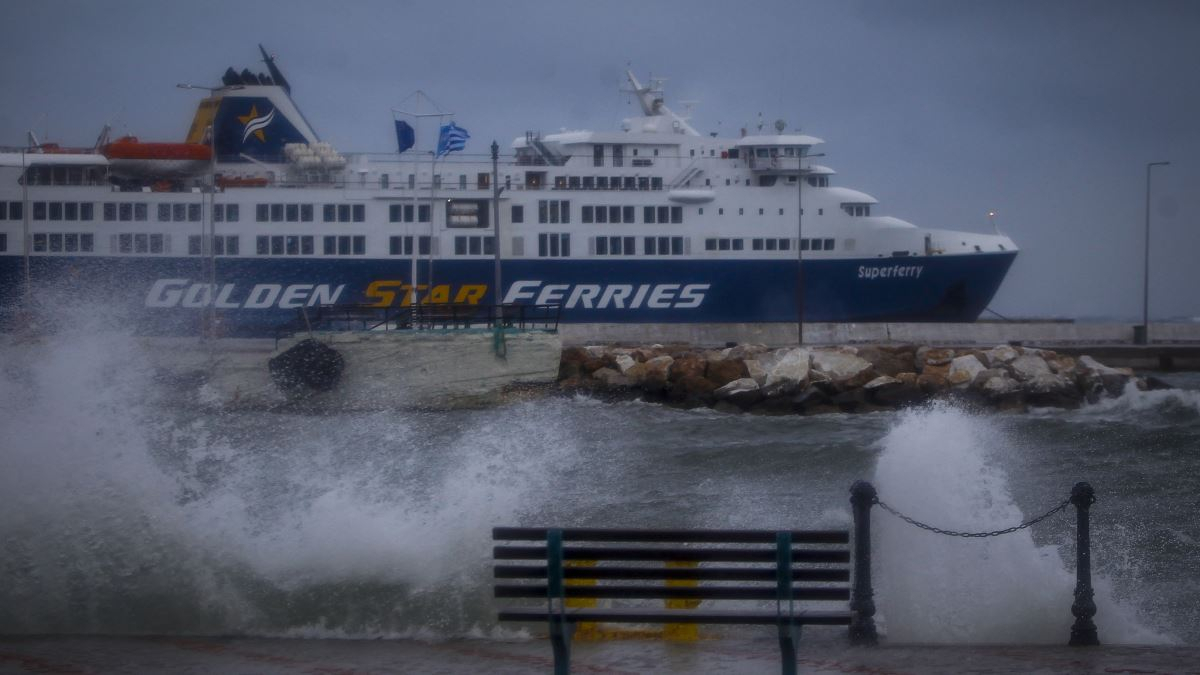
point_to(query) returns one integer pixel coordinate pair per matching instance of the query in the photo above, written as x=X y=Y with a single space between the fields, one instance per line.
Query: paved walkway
x=255 y=656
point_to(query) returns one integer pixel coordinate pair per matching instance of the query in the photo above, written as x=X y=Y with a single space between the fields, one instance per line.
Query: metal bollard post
x=862 y=628
x=1083 y=633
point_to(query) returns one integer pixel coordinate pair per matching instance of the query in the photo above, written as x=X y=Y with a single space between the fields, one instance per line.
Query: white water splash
x=938 y=467
x=123 y=515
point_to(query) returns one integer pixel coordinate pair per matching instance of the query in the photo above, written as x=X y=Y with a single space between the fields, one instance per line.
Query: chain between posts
x=994 y=533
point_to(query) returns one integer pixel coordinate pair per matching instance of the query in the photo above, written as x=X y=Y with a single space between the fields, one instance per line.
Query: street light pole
x=497 y=289
x=1142 y=336
x=799 y=245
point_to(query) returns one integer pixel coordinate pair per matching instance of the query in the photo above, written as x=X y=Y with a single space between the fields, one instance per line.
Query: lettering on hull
x=873 y=272
x=167 y=293
x=608 y=296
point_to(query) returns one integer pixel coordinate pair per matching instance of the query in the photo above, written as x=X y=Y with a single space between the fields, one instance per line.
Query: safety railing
x=420 y=317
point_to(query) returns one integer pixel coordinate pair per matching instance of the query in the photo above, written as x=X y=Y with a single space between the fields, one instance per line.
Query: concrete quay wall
x=1172 y=346
x=781 y=334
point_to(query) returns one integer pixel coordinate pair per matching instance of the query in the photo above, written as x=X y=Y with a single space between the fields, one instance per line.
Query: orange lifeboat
x=131 y=158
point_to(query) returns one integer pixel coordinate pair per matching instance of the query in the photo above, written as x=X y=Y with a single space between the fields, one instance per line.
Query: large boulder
x=686 y=365
x=998 y=356
x=1027 y=366
x=1050 y=390
x=743 y=392
x=786 y=372
x=624 y=363
x=890 y=362
x=610 y=377
x=963 y=370
x=933 y=356
x=691 y=391
x=842 y=369
x=726 y=370
x=894 y=391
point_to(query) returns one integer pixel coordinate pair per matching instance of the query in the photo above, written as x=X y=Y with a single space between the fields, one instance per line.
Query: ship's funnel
x=251 y=117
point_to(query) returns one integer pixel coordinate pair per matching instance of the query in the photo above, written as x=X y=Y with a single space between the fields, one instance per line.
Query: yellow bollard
x=585 y=630
x=682 y=632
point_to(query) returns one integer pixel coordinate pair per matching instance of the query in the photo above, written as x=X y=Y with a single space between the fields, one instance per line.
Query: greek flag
x=405 y=136
x=452 y=137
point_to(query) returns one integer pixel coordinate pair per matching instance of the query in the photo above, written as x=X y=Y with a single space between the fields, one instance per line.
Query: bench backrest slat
x=593 y=534
x=629 y=553
x=676 y=592
x=764 y=574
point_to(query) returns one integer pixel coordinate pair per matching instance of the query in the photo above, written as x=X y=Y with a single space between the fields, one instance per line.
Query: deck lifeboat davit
x=130 y=158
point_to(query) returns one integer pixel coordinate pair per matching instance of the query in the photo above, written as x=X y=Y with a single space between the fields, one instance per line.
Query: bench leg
x=560 y=640
x=788 y=636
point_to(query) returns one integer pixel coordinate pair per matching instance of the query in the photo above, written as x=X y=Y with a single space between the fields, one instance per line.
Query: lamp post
x=1141 y=334
x=799 y=245
x=498 y=293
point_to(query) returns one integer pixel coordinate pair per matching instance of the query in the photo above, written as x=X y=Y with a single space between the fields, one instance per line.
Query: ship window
x=140 y=211
x=306 y=245
x=614 y=214
x=218 y=212
x=141 y=243
x=475 y=246
x=343 y=213
x=781 y=212
x=423 y=245
x=292 y=245
x=329 y=245
x=397 y=245
x=630 y=183
x=737 y=244
x=597 y=155
x=772 y=244
x=785 y=244
x=39 y=243
x=261 y=246
x=601 y=182
x=656 y=183
x=408 y=213
x=56 y=243
x=676 y=245
x=277 y=244
x=125 y=209
x=394 y=212
x=156 y=243
x=518 y=213
x=676 y=214
x=643 y=182
x=86 y=211
x=618 y=155
x=585 y=214
x=56 y=211
x=462 y=181
x=601 y=245
x=601 y=214
x=360 y=212
x=3 y=210
x=262 y=212
x=723 y=245
x=193 y=211
x=422 y=213
x=329 y=213
x=628 y=214
x=710 y=244
x=39 y=210
x=460 y=246
x=179 y=212
x=757 y=244
x=412 y=181
x=3 y=241
x=648 y=214
x=276 y=213
x=71 y=242
x=560 y=182
x=820 y=212
x=437 y=181
x=86 y=243
x=231 y=213
x=573 y=182
x=292 y=213
x=554 y=245
x=741 y=211
x=360 y=244
x=664 y=214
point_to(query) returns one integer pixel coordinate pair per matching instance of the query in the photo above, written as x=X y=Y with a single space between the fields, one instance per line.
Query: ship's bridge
x=780 y=153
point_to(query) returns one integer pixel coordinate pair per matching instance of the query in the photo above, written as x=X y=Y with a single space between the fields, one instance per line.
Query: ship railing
x=363 y=318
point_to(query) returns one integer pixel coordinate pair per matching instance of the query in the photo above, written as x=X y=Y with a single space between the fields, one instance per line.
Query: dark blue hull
x=251 y=296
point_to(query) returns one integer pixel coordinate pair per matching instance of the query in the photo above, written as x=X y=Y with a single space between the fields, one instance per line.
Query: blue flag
x=452 y=137
x=405 y=136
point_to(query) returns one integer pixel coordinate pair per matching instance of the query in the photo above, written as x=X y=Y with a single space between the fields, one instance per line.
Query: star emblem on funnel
x=255 y=124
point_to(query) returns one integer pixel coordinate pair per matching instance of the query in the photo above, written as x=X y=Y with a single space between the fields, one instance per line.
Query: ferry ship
x=253 y=217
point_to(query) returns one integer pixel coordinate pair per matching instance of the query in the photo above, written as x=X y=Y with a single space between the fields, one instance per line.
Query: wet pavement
x=269 y=656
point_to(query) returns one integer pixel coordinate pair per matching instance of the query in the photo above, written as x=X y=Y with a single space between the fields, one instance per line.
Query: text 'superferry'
x=253 y=217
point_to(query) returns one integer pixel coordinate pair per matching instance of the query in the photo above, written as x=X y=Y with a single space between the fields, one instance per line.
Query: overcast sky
x=1046 y=112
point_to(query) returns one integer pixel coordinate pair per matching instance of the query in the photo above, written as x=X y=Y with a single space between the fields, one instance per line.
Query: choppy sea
x=123 y=514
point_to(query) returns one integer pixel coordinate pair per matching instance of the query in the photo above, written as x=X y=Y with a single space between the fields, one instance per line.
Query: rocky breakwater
x=753 y=378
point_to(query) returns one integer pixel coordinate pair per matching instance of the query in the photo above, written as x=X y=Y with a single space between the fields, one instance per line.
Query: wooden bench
x=729 y=568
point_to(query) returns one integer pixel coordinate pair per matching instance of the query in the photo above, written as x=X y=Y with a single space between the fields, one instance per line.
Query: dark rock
x=1155 y=384
x=725 y=371
x=308 y=364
